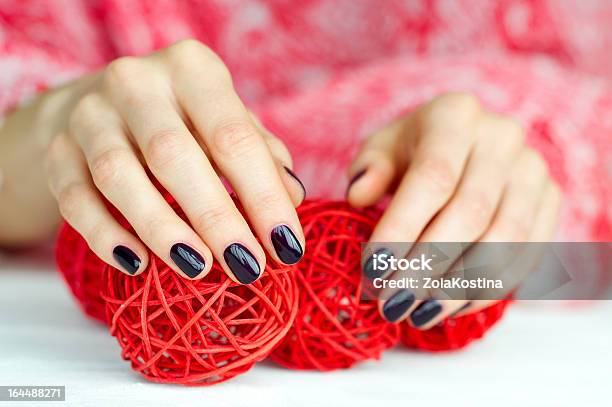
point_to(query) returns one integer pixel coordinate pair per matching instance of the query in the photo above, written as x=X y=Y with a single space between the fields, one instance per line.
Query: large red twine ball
x=201 y=332
x=175 y=330
x=335 y=327
x=454 y=333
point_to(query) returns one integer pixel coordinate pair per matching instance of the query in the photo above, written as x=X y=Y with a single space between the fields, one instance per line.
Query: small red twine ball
x=335 y=327
x=82 y=270
x=454 y=333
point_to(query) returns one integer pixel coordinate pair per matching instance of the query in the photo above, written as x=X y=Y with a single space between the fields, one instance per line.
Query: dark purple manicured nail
x=242 y=263
x=127 y=258
x=287 y=246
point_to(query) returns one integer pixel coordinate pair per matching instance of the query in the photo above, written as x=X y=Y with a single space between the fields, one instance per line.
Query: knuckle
x=87 y=106
x=70 y=198
x=107 y=167
x=151 y=227
x=123 y=71
x=235 y=138
x=476 y=208
x=165 y=148
x=189 y=46
x=212 y=217
x=85 y=113
x=269 y=201
x=454 y=104
x=98 y=233
x=438 y=175
x=183 y=53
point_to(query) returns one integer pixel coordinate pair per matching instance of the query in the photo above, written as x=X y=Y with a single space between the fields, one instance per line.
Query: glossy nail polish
x=127 y=258
x=368 y=267
x=425 y=312
x=242 y=263
x=295 y=177
x=287 y=246
x=397 y=305
x=187 y=259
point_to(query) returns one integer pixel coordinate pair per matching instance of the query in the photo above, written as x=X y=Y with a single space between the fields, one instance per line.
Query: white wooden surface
x=540 y=355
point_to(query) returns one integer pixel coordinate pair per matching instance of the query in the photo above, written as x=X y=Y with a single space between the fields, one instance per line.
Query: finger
x=295 y=187
x=471 y=209
x=446 y=134
x=243 y=157
x=548 y=214
x=531 y=198
x=375 y=167
x=120 y=177
x=284 y=164
x=517 y=212
x=82 y=207
x=468 y=214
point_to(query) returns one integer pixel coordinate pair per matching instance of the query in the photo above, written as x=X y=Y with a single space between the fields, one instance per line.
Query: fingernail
x=287 y=246
x=295 y=177
x=242 y=263
x=127 y=258
x=397 y=305
x=425 y=312
x=355 y=178
x=467 y=304
x=368 y=268
x=187 y=259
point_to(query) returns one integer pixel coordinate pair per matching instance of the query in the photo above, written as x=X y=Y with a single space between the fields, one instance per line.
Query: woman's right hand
x=176 y=113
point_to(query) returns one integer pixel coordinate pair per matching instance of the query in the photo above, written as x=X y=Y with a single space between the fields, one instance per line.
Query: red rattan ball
x=175 y=330
x=335 y=327
x=82 y=270
x=201 y=332
x=454 y=333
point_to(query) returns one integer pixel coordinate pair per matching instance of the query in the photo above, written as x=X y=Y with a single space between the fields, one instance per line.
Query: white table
x=539 y=355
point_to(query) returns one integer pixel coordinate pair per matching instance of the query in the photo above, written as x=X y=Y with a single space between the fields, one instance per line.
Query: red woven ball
x=335 y=328
x=175 y=330
x=82 y=270
x=454 y=333
x=201 y=332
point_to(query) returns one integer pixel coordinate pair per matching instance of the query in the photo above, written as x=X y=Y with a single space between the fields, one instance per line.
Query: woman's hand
x=460 y=174
x=175 y=112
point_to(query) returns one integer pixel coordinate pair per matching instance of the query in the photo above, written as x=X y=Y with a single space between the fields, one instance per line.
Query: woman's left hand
x=459 y=174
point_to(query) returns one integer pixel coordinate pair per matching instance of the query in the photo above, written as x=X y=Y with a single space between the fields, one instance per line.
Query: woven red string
x=82 y=270
x=335 y=328
x=201 y=332
x=454 y=333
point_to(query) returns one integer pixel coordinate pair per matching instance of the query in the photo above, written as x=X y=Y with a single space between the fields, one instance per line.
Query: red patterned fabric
x=323 y=74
